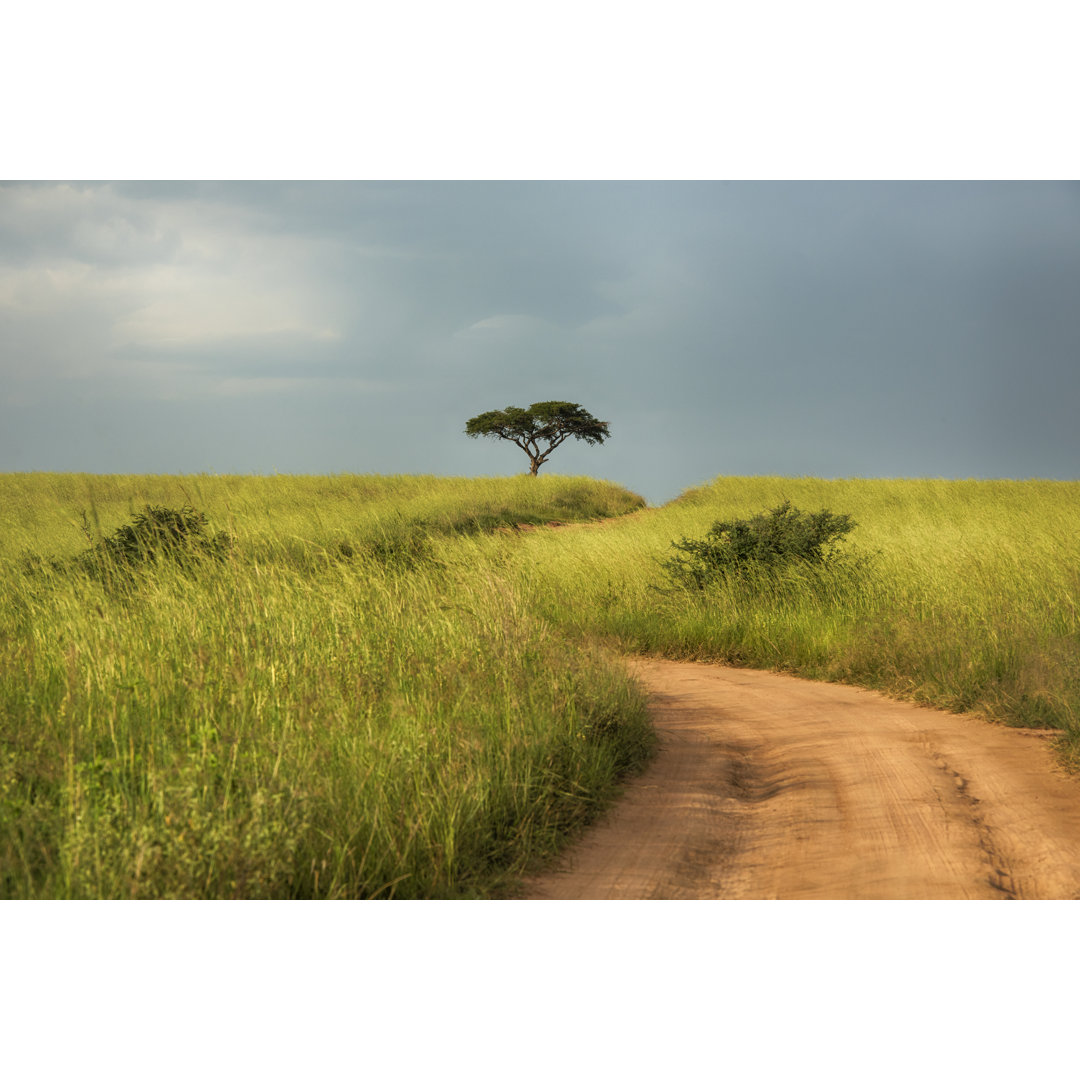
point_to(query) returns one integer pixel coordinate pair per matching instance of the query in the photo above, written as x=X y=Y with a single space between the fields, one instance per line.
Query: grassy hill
x=382 y=687
x=349 y=703
x=966 y=598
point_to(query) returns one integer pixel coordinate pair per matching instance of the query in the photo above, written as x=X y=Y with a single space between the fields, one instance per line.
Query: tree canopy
x=548 y=422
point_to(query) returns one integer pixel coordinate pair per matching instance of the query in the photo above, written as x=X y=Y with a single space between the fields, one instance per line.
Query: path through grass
x=968 y=600
x=385 y=689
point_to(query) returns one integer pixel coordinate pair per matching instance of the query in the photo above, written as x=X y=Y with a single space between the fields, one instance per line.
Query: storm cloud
x=816 y=328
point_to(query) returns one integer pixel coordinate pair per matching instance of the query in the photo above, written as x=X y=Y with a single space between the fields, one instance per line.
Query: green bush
x=158 y=532
x=778 y=537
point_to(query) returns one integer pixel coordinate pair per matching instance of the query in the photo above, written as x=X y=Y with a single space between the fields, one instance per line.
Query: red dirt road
x=772 y=787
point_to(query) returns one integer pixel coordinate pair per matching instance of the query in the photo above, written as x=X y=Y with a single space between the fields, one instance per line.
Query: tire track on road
x=772 y=787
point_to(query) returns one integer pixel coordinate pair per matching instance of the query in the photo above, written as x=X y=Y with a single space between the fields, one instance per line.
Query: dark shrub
x=770 y=539
x=159 y=532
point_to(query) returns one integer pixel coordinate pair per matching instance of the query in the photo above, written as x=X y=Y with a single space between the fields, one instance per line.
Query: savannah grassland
x=385 y=689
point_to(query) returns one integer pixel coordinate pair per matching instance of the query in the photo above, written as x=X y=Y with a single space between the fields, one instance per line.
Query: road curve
x=772 y=787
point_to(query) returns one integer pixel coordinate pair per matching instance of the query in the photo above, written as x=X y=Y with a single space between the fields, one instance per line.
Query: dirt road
x=767 y=786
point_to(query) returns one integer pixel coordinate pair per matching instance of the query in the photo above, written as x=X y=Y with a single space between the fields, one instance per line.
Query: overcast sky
x=800 y=328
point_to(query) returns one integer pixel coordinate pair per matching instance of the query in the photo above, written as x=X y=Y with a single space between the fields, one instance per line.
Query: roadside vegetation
x=382 y=687
x=340 y=702
x=957 y=594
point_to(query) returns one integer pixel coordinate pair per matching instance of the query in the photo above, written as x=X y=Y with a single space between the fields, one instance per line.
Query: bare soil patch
x=772 y=787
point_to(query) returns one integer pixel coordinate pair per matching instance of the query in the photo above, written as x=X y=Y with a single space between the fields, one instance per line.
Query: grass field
x=384 y=689
x=349 y=705
x=967 y=599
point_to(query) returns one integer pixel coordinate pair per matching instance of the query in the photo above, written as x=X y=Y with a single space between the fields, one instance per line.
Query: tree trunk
x=534 y=466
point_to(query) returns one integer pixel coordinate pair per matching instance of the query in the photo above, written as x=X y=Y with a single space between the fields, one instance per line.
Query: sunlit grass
x=968 y=601
x=385 y=689
x=44 y=510
x=330 y=711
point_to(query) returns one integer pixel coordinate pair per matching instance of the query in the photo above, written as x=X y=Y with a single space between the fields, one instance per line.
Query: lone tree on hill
x=552 y=422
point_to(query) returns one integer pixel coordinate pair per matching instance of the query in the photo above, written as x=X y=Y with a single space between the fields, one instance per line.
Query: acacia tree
x=550 y=422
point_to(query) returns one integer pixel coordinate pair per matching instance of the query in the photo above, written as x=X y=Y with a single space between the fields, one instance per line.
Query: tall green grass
x=44 y=510
x=968 y=599
x=346 y=706
x=385 y=689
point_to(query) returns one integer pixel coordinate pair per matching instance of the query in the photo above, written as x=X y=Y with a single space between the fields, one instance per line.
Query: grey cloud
x=42 y=223
x=834 y=328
